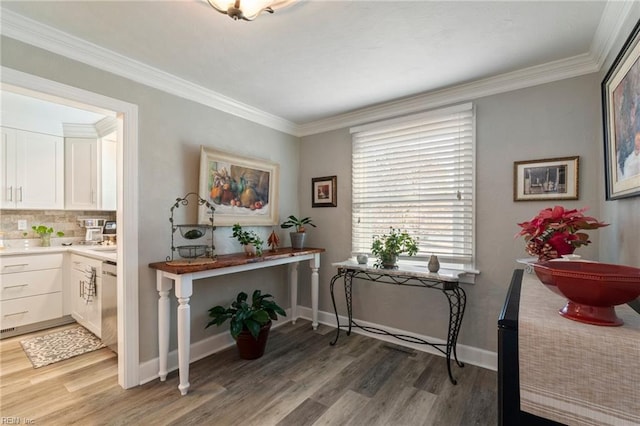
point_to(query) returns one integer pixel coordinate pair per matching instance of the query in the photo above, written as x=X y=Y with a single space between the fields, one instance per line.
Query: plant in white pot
x=387 y=247
x=249 y=324
x=297 y=237
x=251 y=241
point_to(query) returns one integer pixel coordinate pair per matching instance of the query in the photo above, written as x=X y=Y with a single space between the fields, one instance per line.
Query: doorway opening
x=127 y=201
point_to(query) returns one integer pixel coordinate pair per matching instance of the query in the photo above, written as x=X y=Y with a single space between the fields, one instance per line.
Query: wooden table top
x=234 y=259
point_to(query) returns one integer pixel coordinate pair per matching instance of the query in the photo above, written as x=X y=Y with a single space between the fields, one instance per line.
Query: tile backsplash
x=60 y=220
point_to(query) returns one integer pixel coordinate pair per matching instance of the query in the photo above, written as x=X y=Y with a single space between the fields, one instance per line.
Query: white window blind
x=416 y=173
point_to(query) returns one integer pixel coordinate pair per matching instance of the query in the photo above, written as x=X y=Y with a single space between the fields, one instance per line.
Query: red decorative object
x=593 y=288
x=553 y=232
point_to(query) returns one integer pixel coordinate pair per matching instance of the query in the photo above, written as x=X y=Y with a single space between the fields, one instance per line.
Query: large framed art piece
x=550 y=179
x=621 y=117
x=242 y=190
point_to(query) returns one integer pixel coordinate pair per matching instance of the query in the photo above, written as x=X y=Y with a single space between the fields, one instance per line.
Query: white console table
x=184 y=275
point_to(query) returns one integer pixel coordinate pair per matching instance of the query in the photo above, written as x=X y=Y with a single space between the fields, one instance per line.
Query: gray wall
x=171 y=130
x=552 y=120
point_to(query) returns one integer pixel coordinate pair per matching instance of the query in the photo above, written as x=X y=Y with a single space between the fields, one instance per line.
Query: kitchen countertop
x=104 y=253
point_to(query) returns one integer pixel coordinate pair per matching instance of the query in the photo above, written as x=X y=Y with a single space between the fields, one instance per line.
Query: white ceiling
x=318 y=60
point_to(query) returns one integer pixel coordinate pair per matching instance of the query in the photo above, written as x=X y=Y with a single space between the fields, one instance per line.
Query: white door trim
x=127 y=210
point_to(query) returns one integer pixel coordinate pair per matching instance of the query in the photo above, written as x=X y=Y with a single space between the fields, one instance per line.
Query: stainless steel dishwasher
x=110 y=305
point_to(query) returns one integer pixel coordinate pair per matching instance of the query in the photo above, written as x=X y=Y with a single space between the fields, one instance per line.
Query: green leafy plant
x=243 y=316
x=298 y=223
x=43 y=230
x=247 y=237
x=387 y=247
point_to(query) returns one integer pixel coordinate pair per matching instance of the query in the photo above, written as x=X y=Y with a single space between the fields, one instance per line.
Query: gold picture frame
x=547 y=179
x=242 y=189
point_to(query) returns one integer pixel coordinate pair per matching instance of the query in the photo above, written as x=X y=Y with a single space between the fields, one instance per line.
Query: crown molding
x=37 y=34
x=45 y=37
x=609 y=28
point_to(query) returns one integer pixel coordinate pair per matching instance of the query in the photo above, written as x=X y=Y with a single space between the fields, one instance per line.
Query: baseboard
x=203 y=348
x=467 y=354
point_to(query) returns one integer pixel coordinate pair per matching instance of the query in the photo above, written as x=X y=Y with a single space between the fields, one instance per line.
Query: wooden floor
x=301 y=380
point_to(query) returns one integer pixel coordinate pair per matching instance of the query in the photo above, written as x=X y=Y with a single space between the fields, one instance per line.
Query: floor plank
x=301 y=380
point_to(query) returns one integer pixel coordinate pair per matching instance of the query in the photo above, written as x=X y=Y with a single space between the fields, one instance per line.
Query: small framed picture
x=549 y=179
x=324 y=191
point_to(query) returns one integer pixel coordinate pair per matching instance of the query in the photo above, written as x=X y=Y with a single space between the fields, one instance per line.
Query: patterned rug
x=61 y=345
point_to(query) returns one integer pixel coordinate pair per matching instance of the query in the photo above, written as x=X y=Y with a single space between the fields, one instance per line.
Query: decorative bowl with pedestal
x=593 y=289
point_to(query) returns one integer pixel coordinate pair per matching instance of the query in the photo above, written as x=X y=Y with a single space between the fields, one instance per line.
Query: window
x=416 y=173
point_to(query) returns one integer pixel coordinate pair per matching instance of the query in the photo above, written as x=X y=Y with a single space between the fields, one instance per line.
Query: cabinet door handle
x=16 y=313
x=20 y=188
x=9 y=196
x=15 y=286
x=16 y=265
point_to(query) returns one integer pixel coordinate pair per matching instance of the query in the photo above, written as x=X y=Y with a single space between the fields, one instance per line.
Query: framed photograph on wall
x=621 y=117
x=324 y=191
x=550 y=179
x=242 y=190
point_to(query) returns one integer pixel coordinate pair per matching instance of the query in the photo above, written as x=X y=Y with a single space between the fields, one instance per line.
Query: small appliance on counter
x=93 y=234
x=109 y=233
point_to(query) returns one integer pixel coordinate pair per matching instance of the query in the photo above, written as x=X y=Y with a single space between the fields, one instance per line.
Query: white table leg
x=315 y=265
x=164 y=317
x=293 y=290
x=184 y=289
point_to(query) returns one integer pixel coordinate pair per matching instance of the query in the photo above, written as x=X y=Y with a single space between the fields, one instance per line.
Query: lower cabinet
x=31 y=290
x=86 y=288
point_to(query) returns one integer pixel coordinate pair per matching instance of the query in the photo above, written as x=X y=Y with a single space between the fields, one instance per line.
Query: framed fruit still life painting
x=242 y=190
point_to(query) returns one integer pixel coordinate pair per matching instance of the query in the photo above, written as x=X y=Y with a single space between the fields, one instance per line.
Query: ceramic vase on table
x=434 y=264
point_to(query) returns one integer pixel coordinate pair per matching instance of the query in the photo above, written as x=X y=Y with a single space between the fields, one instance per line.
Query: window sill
x=468 y=275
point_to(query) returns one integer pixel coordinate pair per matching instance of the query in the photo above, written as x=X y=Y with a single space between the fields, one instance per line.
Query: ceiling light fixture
x=247 y=9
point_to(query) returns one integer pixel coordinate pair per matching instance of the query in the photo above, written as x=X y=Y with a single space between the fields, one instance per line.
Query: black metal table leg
x=457 y=303
x=335 y=309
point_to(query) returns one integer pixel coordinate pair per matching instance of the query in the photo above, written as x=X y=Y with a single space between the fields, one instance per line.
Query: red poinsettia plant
x=554 y=232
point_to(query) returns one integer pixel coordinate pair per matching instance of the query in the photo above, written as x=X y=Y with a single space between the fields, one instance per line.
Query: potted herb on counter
x=45 y=234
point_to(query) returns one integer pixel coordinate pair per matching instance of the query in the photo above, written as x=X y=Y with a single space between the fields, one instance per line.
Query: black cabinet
x=508 y=370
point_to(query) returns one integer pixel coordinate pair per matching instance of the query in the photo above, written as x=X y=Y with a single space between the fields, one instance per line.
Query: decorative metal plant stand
x=189 y=233
x=456 y=297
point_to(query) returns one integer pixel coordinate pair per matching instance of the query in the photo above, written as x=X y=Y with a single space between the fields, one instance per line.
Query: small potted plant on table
x=249 y=239
x=388 y=247
x=297 y=237
x=249 y=324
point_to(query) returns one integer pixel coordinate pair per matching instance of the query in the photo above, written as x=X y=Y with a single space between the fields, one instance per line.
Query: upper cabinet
x=32 y=174
x=90 y=173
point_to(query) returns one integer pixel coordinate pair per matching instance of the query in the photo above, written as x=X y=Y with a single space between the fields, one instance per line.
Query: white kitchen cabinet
x=31 y=289
x=86 y=288
x=90 y=174
x=32 y=170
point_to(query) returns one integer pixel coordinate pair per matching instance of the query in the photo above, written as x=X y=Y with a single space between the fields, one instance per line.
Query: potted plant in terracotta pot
x=249 y=324
x=251 y=242
x=297 y=237
x=387 y=247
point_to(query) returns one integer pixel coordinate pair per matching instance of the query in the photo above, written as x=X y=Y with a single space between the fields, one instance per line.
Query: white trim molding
x=127 y=212
x=37 y=34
